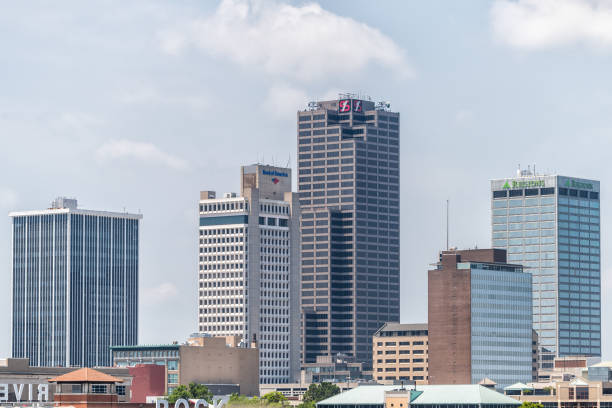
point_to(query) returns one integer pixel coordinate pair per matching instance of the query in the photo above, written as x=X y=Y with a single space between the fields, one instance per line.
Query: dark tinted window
x=500 y=193
x=573 y=193
x=594 y=195
x=548 y=191
x=516 y=193
x=584 y=194
x=531 y=191
x=562 y=191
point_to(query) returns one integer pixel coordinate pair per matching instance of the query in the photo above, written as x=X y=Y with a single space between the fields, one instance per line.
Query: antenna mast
x=447 y=203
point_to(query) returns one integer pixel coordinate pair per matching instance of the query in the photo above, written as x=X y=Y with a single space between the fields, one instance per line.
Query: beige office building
x=224 y=365
x=400 y=353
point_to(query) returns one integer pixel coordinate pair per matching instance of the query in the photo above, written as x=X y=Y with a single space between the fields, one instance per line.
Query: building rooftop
x=147 y=347
x=85 y=375
x=394 y=326
x=469 y=394
x=63 y=205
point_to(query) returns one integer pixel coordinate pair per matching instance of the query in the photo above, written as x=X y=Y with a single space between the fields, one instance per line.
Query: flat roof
x=147 y=347
x=394 y=326
x=51 y=211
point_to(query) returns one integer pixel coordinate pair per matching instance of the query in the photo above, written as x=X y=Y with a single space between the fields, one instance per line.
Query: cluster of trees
x=314 y=394
x=192 y=391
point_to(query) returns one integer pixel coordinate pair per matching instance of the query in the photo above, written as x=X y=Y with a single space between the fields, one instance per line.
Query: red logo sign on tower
x=344 y=105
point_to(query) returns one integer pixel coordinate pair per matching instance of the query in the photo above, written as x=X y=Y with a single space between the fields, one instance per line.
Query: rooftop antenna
x=447 y=205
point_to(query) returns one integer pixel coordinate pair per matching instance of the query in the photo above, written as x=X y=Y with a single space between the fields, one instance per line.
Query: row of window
x=400 y=343
x=223 y=206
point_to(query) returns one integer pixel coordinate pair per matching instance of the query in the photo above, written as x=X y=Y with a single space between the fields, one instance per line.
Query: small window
x=262 y=221
x=121 y=390
x=272 y=221
x=500 y=194
x=548 y=191
x=594 y=195
x=98 y=388
x=573 y=193
x=584 y=194
x=516 y=193
x=562 y=191
x=531 y=191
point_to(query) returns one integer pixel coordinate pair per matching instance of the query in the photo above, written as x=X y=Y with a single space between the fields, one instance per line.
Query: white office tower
x=249 y=268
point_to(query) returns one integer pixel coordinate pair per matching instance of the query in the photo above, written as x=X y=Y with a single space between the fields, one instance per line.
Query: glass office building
x=348 y=174
x=551 y=225
x=75 y=284
x=501 y=322
x=479 y=319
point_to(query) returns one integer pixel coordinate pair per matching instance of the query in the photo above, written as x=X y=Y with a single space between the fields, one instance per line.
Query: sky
x=139 y=105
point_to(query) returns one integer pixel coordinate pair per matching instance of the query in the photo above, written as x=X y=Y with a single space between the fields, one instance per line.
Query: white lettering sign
x=42 y=391
x=183 y=403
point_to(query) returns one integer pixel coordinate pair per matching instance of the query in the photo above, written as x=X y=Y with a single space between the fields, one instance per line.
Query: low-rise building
x=338 y=368
x=400 y=353
x=422 y=396
x=89 y=388
x=577 y=393
x=223 y=364
x=19 y=372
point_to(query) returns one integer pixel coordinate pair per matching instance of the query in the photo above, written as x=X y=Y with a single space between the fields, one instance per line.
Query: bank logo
x=275 y=180
x=578 y=184
x=357 y=107
x=344 y=105
x=524 y=184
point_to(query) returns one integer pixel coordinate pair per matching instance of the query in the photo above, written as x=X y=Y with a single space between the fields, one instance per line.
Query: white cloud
x=282 y=100
x=160 y=293
x=535 y=24
x=144 y=152
x=304 y=42
x=150 y=95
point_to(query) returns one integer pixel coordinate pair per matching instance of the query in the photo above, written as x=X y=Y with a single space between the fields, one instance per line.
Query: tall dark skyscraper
x=75 y=284
x=348 y=177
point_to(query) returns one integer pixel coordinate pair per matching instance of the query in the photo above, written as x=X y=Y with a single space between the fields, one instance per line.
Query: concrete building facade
x=551 y=225
x=249 y=268
x=348 y=174
x=401 y=353
x=210 y=361
x=75 y=284
x=479 y=313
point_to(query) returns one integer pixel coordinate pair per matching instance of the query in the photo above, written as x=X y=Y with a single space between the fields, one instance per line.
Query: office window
x=98 y=388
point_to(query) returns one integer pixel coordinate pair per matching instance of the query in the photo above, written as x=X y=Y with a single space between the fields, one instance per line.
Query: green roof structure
x=519 y=386
x=421 y=395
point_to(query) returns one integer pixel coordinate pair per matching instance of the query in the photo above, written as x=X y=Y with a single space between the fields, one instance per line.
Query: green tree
x=193 y=391
x=307 y=405
x=319 y=392
x=274 y=397
x=200 y=391
x=179 y=392
x=527 y=404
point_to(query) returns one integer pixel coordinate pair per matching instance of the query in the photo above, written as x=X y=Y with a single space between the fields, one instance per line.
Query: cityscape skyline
x=168 y=138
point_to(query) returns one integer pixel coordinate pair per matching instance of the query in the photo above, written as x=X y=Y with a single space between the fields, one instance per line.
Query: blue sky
x=142 y=104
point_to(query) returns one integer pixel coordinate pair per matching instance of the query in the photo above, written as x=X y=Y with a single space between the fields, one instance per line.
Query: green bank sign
x=578 y=184
x=524 y=184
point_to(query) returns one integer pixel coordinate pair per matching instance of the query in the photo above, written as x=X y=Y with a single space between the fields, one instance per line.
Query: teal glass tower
x=551 y=225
